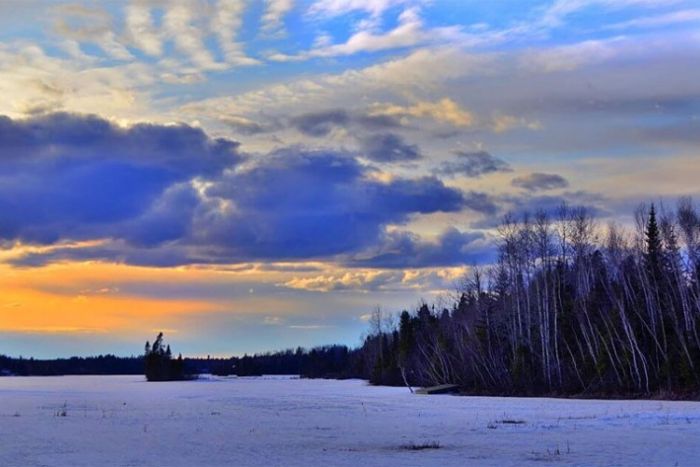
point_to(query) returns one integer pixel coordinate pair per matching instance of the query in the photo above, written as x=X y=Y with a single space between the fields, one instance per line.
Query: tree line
x=569 y=307
x=98 y=365
x=158 y=364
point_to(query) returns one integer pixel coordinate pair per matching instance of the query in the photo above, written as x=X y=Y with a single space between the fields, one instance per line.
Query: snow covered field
x=124 y=421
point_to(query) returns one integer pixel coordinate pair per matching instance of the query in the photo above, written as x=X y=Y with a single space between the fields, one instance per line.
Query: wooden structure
x=441 y=389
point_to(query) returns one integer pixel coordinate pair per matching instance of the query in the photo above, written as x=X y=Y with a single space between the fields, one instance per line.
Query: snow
x=124 y=421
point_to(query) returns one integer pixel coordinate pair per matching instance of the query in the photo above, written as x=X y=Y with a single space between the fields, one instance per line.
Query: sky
x=261 y=174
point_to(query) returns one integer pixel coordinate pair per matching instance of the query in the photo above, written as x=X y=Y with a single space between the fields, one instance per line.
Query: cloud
x=87 y=24
x=191 y=26
x=473 y=164
x=402 y=249
x=273 y=18
x=674 y=17
x=188 y=38
x=505 y=93
x=531 y=203
x=168 y=218
x=297 y=203
x=379 y=280
x=333 y=8
x=389 y=147
x=39 y=81
x=318 y=124
x=481 y=203
x=569 y=57
x=141 y=29
x=538 y=181
x=445 y=110
x=169 y=195
x=409 y=32
x=226 y=22
x=412 y=74
x=556 y=14
x=68 y=176
x=350 y=280
x=501 y=123
x=245 y=125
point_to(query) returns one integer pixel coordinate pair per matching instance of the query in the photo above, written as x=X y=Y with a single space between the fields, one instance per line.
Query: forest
x=570 y=307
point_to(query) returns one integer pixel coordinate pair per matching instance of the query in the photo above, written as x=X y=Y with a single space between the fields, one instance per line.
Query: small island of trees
x=159 y=364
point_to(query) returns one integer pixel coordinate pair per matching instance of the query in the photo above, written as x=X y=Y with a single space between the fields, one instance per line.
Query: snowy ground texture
x=124 y=421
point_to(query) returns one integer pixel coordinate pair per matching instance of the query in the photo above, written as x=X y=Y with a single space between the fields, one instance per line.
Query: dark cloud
x=164 y=198
x=298 y=204
x=247 y=127
x=318 y=124
x=375 y=144
x=408 y=250
x=180 y=150
x=538 y=181
x=481 y=202
x=377 y=122
x=473 y=164
x=531 y=203
x=169 y=218
x=65 y=176
x=389 y=147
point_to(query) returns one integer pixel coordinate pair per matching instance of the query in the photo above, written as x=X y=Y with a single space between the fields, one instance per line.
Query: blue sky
x=256 y=175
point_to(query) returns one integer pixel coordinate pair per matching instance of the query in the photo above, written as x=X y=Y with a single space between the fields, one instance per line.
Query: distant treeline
x=99 y=365
x=333 y=361
x=568 y=308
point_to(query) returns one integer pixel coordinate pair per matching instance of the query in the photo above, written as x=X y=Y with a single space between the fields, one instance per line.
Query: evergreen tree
x=652 y=240
x=159 y=364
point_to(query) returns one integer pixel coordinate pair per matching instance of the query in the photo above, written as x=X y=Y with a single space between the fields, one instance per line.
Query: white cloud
x=429 y=279
x=556 y=14
x=353 y=280
x=333 y=8
x=501 y=123
x=395 y=82
x=225 y=23
x=141 y=30
x=569 y=57
x=444 y=110
x=409 y=32
x=113 y=47
x=273 y=18
x=188 y=38
x=33 y=81
x=87 y=24
x=273 y=321
x=675 y=17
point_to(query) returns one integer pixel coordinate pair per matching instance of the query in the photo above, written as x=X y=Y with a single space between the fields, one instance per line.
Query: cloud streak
x=473 y=164
x=538 y=181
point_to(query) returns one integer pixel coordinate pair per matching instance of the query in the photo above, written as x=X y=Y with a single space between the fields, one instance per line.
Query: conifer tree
x=653 y=245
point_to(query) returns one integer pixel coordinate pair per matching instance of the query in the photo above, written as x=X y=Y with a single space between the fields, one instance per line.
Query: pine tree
x=159 y=364
x=653 y=251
